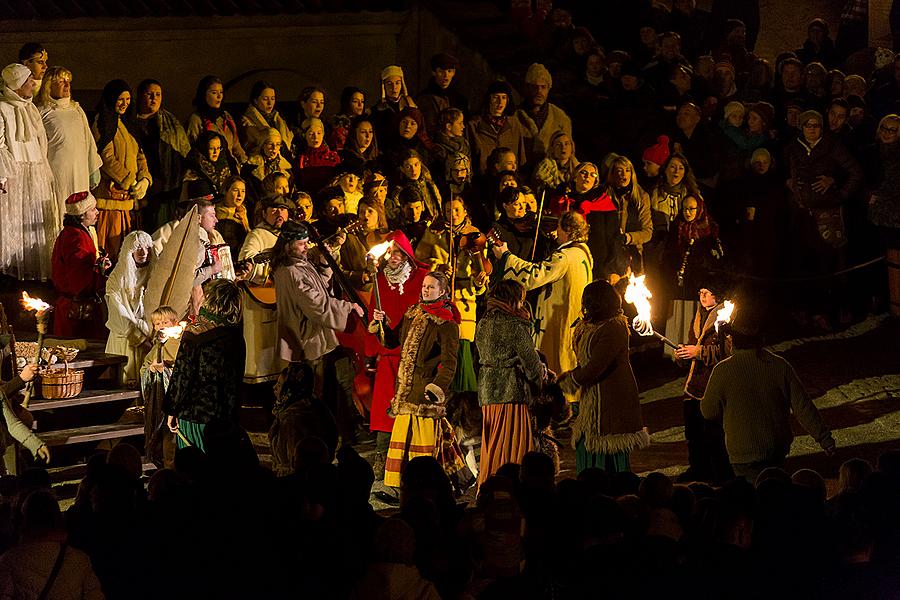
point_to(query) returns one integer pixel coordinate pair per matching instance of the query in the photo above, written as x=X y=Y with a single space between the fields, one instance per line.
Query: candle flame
x=723 y=315
x=173 y=332
x=35 y=304
x=380 y=250
x=637 y=294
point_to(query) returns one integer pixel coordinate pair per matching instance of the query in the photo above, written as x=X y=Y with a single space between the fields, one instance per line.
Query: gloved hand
x=128 y=182
x=140 y=188
x=94 y=180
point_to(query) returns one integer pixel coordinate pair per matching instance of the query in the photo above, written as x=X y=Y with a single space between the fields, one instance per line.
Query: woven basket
x=61 y=383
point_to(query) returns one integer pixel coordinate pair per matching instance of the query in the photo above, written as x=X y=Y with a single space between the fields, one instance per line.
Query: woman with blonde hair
x=206 y=380
x=71 y=148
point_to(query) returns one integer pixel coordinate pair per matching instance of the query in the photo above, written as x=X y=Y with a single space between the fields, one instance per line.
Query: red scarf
x=603 y=203
x=442 y=308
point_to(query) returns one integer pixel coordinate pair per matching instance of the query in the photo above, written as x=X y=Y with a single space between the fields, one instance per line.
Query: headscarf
x=453 y=162
x=216 y=172
x=126 y=276
x=107 y=117
x=27 y=122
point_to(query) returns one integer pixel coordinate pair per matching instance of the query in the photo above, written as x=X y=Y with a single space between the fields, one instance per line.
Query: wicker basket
x=61 y=383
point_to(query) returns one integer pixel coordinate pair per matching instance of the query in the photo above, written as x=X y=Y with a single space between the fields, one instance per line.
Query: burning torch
x=375 y=253
x=637 y=294
x=41 y=312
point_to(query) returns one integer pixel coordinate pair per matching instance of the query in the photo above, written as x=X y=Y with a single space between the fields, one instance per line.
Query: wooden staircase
x=99 y=417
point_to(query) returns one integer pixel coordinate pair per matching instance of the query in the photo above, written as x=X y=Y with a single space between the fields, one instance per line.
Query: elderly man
x=29 y=214
x=130 y=332
x=541 y=118
x=260 y=317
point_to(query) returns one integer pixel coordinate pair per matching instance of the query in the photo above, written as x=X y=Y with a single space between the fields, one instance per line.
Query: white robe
x=29 y=214
x=128 y=329
x=260 y=323
x=72 y=150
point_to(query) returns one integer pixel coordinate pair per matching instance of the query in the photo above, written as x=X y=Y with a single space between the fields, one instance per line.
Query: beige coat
x=483 y=139
x=24 y=570
x=565 y=274
x=307 y=314
x=539 y=139
x=260 y=322
x=123 y=165
x=253 y=129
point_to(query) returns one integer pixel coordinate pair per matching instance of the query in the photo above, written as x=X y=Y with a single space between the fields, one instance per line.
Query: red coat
x=75 y=274
x=394 y=306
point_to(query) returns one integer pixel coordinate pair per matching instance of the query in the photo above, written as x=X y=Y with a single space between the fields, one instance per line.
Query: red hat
x=79 y=203
x=658 y=153
x=401 y=241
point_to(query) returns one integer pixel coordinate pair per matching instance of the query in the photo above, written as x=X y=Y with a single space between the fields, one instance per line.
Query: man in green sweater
x=754 y=392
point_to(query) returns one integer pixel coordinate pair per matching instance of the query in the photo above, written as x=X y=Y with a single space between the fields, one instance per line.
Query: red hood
x=399 y=238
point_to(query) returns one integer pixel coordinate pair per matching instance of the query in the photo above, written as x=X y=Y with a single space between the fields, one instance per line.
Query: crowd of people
x=446 y=276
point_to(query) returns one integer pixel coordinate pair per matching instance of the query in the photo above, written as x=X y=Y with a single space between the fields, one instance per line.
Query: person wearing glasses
x=824 y=178
x=882 y=159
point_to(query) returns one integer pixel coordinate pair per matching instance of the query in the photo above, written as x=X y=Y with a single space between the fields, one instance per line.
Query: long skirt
x=414 y=436
x=679 y=323
x=464 y=380
x=611 y=463
x=112 y=227
x=29 y=219
x=505 y=437
x=193 y=433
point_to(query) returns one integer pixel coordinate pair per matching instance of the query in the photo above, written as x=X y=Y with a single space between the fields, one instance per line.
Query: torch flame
x=637 y=294
x=173 y=332
x=35 y=304
x=380 y=250
x=723 y=315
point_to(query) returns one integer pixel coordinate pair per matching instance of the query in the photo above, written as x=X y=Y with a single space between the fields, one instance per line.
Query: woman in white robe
x=130 y=333
x=30 y=217
x=72 y=151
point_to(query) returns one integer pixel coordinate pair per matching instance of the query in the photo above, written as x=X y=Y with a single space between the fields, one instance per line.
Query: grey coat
x=509 y=361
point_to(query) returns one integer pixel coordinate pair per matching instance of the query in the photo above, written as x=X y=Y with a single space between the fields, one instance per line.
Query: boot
x=378 y=461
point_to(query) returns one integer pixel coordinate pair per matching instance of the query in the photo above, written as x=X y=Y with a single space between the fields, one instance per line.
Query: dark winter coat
x=830 y=158
x=509 y=362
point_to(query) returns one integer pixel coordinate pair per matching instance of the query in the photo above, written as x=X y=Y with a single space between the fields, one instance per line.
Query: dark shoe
x=387 y=498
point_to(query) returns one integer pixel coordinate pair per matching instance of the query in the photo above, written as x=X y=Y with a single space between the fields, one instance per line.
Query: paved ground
x=853 y=376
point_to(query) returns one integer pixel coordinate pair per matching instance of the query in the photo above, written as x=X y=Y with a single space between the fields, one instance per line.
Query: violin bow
x=537 y=228
x=452 y=264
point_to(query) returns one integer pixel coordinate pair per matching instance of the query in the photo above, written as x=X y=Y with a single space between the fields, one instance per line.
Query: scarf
x=63 y=103
x=233 y=213
x=497 y=123
x=396 y=277
x=523 y=312
x=26 y=124
x=672 y=195
x=442 y=308
x=701 y=227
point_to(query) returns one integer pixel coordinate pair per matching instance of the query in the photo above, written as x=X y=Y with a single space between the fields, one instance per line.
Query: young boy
x=155 y=375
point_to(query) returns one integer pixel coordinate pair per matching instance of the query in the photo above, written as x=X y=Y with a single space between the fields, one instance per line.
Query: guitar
x=264 y=294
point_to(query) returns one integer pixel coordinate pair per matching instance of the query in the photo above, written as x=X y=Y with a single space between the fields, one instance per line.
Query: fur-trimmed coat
x=711 y=351
x=429 y=347
x=610 y=417
x=509 y=362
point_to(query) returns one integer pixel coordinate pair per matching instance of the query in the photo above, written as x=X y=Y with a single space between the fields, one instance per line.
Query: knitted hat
x=79 y=202
x=658 y=153
x=759 y=154
x=537 y=73
x=444 y=61
x=732 y=108
x=292 y=231
x=724 y=64
x=807 y=115
x=766 y=112
x=15 y=75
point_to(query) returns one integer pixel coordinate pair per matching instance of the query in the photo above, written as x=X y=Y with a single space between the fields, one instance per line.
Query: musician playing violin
x=467 y=261
x=517 y=227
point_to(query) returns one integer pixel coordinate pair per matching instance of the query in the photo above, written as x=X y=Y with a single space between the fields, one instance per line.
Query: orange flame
x=723 y=315
x=35 y=304
x=173 y=332
x=379 y=250
x=637 y=294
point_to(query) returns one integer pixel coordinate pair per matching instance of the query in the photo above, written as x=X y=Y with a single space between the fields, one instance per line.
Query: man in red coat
x=399 y=284
x=79 y=272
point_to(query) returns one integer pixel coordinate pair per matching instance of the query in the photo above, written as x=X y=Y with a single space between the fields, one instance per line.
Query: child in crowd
x=155 y=375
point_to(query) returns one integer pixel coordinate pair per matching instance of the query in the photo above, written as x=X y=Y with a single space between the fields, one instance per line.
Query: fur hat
x=658 y=153
x=15 y=75
x=79 y=202
x=538 y=72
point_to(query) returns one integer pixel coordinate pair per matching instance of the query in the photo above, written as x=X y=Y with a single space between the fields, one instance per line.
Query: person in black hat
x=706 y=347
x=441 y=92
x=496 y=127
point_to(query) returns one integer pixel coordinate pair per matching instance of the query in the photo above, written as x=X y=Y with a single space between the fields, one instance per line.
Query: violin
x=473 y=244
x=528 y=222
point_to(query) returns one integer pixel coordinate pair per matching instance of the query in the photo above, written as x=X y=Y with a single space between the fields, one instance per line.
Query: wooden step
x=85 y=397
x=89 y=360
x=93 y=433
x=60 y=475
